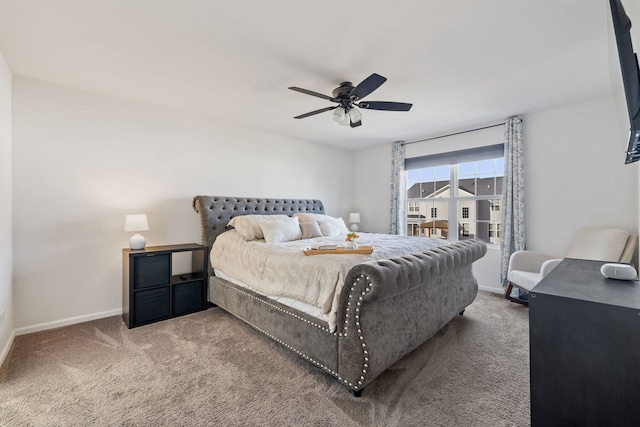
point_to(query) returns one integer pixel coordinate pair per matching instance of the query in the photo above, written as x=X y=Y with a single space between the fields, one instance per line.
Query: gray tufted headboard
x=215 y=211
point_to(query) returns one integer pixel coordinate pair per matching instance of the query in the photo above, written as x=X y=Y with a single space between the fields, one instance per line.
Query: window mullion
x=453 y=204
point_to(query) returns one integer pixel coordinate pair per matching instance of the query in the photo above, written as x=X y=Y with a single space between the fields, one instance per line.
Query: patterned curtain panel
x=398 y=190
x=513 y=232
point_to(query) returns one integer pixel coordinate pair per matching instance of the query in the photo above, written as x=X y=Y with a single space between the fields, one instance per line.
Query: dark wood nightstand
x=150 y=290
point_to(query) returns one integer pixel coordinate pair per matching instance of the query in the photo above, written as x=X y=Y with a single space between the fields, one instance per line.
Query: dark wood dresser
x=584 y=335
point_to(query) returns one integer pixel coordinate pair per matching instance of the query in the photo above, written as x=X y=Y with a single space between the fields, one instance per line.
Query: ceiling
x=462 y=64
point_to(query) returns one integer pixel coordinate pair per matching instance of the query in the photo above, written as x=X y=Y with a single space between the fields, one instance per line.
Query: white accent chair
x=527 y=268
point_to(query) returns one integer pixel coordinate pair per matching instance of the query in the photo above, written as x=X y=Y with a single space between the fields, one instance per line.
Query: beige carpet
x=209 y=369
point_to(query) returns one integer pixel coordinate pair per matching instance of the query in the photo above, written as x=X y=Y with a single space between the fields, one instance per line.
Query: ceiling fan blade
x=355 y=124
x=312 y=113
x=368 y=85
x=312 y=93
x=386 y=106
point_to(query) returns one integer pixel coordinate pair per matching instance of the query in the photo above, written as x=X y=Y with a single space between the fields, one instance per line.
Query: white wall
x=372 y=188
x=82 y=161
x=574 y=176
x=6 y=253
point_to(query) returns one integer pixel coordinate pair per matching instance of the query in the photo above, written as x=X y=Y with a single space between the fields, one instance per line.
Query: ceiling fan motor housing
x=343 y=90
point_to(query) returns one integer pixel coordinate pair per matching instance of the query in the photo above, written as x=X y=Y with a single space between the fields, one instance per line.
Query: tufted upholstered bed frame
x=387 y=307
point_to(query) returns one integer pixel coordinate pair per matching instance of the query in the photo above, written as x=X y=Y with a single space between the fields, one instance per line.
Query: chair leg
x=507 y=295
x=507 y=292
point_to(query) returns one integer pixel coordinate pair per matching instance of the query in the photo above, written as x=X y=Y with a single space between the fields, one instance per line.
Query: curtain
x=398 y=190
x=513 y=233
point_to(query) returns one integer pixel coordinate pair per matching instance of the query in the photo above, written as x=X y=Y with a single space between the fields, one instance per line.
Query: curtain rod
x=452 y=134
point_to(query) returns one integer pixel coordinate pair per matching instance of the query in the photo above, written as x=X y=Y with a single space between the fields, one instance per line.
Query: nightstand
x=150 y=290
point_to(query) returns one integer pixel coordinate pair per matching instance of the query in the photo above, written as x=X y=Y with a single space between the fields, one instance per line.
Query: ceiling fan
x=348 y=98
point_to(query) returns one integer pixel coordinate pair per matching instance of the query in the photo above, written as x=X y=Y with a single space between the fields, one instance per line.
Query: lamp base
x=354 y=227
x=137 y=241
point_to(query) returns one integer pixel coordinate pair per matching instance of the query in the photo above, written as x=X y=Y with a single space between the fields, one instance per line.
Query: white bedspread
x=282 y=269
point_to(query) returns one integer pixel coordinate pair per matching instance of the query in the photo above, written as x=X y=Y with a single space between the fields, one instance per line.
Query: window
x=439 y=195
x=494 y=229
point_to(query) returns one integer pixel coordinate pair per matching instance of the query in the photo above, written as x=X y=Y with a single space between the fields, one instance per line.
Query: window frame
x=454 y=200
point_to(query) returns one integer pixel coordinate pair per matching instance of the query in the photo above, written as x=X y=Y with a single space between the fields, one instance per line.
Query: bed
x=381 y=308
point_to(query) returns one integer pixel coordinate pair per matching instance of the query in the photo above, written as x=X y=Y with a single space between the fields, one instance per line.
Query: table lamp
x=354 y=219
x=136 y=223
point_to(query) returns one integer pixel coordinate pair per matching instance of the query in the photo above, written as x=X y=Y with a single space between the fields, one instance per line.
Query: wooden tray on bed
x=365 y=250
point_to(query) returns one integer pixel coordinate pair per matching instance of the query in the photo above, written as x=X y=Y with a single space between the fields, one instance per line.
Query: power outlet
x=1 y=316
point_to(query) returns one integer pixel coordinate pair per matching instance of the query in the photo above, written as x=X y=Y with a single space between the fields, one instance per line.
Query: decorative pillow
x=333 y=227
x=310 y=229
x=309 y=217
x=248 y=226
x=281 y=231
x=329 y=226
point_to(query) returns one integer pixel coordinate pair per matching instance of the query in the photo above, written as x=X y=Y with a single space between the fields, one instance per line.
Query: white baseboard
x=498 y=290
x=5 y=350
x=116 y=312
x=66 y=322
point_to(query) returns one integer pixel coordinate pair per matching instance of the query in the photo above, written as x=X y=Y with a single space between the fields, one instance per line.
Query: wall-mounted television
x=630 y=76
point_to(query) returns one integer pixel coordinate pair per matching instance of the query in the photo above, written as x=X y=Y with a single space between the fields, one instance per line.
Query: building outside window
x=495 y=229
x=440 y=197
x=430 y=192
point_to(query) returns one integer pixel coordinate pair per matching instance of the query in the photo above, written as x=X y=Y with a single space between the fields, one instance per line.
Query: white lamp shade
x=136 y=223
x=355 y=115
x=340 y=116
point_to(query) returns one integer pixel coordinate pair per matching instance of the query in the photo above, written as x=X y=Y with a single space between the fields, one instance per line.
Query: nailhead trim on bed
x=358 y=303
x=295 y=350
x=352 y=295
x=308 y=322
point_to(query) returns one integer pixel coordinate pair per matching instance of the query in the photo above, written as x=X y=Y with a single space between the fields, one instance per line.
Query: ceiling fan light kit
x=347 y=96
x=355 y=115
x=347 y=117
x=340 y=116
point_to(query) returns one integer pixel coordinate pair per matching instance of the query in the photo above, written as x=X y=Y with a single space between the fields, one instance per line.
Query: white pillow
x=248 y=226
x=329 y=225
x=333 y=227
x=310 y=229
x=281 y=231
